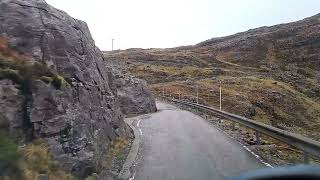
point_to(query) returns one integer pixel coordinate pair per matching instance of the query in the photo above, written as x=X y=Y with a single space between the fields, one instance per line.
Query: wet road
x=179 y=145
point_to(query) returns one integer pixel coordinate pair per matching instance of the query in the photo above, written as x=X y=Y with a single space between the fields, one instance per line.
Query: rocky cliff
x=55 y=85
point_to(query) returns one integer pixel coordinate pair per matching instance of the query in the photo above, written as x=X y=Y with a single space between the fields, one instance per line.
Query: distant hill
x=270 y=74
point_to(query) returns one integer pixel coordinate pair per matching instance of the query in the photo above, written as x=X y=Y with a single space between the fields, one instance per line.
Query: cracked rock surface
x=134 y=94
x=81 y=119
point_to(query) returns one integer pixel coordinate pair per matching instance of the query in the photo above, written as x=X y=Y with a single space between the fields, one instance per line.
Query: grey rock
x=251 y=112
x=79 y=120
x=134 y=96
x=133 y=93
x=11 y=104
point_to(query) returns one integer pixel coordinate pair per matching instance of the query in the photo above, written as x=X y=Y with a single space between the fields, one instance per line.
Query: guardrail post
x=220 y=96
x=233 y=126
x=306 y=157
x=163 y=91
x=179 y=95
x=258 y=139
x=197 y=94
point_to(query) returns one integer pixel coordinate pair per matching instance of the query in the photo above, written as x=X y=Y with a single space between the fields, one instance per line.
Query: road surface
x=179 y=145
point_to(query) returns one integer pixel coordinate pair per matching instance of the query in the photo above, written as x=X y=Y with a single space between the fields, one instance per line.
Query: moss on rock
x=10 y=74
x=46 y=79
x=59 y=82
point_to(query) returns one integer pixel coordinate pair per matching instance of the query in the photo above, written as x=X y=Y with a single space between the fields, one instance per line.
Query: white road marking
x=257 y=156
x=138 y=124
x=132 y=178
x=245 y=147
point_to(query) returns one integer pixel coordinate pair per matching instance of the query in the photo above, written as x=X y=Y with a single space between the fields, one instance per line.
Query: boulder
x=134 y=96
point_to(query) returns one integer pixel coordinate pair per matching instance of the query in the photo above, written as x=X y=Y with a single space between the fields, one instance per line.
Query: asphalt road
x=179 y=145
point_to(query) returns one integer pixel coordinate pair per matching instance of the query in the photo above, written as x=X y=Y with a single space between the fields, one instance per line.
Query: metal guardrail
x=308 y=146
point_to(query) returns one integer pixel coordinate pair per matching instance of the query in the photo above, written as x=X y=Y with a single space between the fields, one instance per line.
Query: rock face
x=11 y=104
x=81 y=118
x=134 y=96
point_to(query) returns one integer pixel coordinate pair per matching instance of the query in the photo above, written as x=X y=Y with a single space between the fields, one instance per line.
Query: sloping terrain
x=270 y=74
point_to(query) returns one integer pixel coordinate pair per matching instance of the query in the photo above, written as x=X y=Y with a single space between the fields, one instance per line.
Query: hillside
x=270 y=74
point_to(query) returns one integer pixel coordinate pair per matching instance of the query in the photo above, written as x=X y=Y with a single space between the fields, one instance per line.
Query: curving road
x=179 y=145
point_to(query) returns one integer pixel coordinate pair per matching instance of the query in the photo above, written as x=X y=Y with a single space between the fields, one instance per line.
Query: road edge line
x=125 y=172
x=261 y=160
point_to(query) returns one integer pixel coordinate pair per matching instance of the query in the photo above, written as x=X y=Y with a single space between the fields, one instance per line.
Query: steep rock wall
x=81 y=116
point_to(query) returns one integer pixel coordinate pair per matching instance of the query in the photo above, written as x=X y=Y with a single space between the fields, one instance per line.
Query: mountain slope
x=270 y=74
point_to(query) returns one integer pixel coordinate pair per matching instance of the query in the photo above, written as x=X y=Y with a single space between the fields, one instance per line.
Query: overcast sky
x=170 y=23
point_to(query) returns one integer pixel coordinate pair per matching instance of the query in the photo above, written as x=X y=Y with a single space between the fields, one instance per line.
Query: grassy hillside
x=270 y=74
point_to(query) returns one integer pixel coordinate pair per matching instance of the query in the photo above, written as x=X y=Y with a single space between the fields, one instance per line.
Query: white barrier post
x=197 y=94
x=220 y=97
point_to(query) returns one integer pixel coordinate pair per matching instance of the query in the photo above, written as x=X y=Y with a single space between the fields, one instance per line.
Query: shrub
x=37 y=160
x=264 y=68
x=9 y=155
x=10 y=74
x=59 y=82
x=69 y=80
x=38 y=70
x=7 y=51
x=46 y=79
x=27 y=162
x=118 y=147
x=4 y=123
x=4 y=63
x=92 y=177
x=22 y=71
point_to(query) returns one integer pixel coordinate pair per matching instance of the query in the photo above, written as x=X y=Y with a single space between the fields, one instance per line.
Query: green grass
x=59 y=82
x=11 y=74
x=26 y=162
x=9 y=155
x=46 y=79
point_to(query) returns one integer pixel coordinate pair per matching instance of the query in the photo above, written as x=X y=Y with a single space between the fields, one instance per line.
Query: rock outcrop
x=11 y=103
x=134 y=96
x=80 y=116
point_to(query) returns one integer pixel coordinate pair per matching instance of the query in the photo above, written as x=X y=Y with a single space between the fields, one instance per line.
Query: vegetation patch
x=9 y=155
x=10 y=74
x=28 y=162
x=117 y=148
x=261 y=98
x=37 y=161
x=22 y=71
x=46 y=79
x=59 y=82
